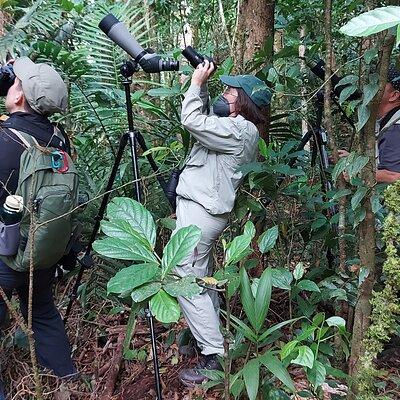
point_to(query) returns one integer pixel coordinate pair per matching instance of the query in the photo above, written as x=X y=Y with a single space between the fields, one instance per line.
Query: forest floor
x=96 y=336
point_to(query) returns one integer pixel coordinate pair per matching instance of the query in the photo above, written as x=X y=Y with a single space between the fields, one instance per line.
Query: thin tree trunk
x=367 y=227
x=303 y=70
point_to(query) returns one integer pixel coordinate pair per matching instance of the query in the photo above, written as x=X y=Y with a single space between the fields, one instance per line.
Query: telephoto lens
x=7 y=79
x=194 y=57
x=119 y=34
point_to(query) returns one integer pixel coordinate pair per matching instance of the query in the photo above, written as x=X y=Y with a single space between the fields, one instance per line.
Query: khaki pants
x=201 y=312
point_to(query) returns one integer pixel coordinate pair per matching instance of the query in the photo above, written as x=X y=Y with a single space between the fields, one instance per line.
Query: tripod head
x=128 y=68
x=318 y=69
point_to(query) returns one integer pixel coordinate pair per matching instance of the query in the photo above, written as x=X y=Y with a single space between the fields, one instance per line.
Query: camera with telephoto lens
x=194 y=57
x=7 y=78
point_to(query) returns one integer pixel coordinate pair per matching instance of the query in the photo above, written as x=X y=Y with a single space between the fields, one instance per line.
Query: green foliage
x=373 y=21
x=310 y=346
x=385 y=303
x=295 y=230
x=130 y=235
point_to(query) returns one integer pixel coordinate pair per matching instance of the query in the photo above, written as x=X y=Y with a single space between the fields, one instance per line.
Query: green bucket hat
x=255 y=88
x=43 y=87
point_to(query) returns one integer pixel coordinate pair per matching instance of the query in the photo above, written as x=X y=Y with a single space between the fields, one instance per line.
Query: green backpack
x=52 y=197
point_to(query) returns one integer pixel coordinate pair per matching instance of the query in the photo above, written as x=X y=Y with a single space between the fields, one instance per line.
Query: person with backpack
x=35 y=164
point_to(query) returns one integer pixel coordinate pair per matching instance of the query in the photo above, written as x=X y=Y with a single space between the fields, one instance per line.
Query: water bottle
x=11 y=211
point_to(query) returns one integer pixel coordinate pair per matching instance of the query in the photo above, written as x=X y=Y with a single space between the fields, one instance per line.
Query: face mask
x=221 y=107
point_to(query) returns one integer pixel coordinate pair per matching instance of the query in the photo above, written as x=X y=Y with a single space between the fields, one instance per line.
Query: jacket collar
x=389 y=119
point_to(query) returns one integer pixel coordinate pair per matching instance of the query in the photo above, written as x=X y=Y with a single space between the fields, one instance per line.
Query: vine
x=385 y=304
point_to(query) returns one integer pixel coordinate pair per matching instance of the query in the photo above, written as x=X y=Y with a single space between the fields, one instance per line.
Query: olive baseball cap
x=254 y=87
x=43 y=87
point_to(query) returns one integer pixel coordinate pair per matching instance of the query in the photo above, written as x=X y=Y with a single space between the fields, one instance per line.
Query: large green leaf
x=164 y=307
x=238 y=249
x=251 y=376
x=132 y=277
x=339 y=168
x=317 y=374
x=268 y=239
x=263 y=298
x=306 y=284
x=247 y=298
x=145 y=291
x=164 y=91
x=358 y=196
x=281 y=278
x=186 y=287
x=135 y=214
x=355 y=164
x=372 y=22
x=336 y=321
x=122 y=229
x=123 y=249
x=249 y=229
x=180 y=245
x=277 y=369
x=288 y=348
x=305 y=357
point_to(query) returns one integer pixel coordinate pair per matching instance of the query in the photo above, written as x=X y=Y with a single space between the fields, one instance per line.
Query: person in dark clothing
x=388 y=131
x=37 y=93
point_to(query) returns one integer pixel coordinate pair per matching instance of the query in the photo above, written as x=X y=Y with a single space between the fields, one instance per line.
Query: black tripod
x=132 y=137
x=317 y=136
x=319 y=140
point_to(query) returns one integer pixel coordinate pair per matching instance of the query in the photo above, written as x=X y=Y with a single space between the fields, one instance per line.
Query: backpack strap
x=27 y=140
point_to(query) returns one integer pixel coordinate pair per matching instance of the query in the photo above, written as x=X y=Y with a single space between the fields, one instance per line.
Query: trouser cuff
x=212 y=350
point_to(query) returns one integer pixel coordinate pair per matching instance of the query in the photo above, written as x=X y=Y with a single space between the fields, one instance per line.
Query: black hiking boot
x=193 y=376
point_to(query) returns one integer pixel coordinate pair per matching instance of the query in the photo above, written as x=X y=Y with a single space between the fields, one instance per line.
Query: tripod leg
x=155 y=354
x=98 y=218
x=132 y=143
x=104 y=202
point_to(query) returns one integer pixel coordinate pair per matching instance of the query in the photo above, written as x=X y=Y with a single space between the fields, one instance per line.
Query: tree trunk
x=255 y=31
x=367 y=227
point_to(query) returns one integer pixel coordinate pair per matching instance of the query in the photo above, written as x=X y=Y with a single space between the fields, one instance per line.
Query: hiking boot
x=193 y=376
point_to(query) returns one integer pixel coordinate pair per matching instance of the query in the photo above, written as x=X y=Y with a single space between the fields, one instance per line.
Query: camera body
x=194 y=57
x=7 y=78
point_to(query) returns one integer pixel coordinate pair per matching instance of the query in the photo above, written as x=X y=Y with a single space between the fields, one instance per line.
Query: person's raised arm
x=215 y=133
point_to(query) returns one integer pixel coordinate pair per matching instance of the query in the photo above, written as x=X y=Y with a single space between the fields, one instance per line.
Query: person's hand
x=202 y=73
x=343 y=153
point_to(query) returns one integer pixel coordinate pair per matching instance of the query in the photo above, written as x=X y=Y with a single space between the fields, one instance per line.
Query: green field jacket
x=223 y=144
